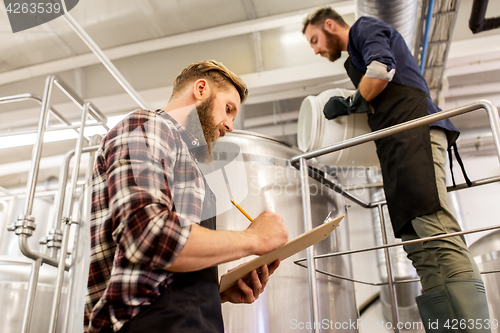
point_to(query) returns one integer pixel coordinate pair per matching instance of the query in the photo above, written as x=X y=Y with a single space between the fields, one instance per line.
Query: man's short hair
x=215 y=72
x=319 y=16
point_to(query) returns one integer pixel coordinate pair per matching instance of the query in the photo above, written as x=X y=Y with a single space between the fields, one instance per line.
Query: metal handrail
x=483 y=104
x=413 y=241
x=494 y=120
x=103 y=58
x=25 y=97
x=95 y=113
x=70 y=218
x=376 y=284
x=25 y=224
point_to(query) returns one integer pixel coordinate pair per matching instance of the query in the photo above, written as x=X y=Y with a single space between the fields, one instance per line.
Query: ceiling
x=151 y=41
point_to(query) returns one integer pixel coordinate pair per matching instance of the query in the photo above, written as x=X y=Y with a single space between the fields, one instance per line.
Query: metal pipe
x=27 y=221
x=482 y=104
x=103 y=58
x=475 y=183
x=24 y=97
x=390 y=277
x=478 y=21
x=74 y=255
x=28 y=252
x=6 y=191
x=73 y=96
x=311 y=266
x=65 y=239
x=51 y=129
x=320 y=176
x=30 y=302
x=376 y=284
x=78 y=154
x=419 y=27
x=425 y=239
x=341 y=277
x=88 y=176
x=63 y=179
x=428 y=19
x=494 y=123
x=401 y=14
x=37 y=148
x=61 y=195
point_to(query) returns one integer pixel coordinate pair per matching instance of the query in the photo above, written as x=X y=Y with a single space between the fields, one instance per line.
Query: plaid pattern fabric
x=143 y=166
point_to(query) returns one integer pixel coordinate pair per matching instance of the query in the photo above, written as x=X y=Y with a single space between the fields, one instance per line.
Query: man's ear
x=330 y=26
x=200 y=89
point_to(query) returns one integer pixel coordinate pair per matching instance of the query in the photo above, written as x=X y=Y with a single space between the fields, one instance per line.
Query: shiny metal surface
x=104 y=60
x=71 y=218
x=37 y=148
x=402 y=268
x=391 y=290
x=284 y=306
x=311 y=264
x=401 y=14
x=16 y=272
x=486 y=253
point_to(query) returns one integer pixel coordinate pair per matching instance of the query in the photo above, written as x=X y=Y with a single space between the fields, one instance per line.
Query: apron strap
x=459 y=160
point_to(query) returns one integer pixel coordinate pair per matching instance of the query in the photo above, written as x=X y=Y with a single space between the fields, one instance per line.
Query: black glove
x=343 y=106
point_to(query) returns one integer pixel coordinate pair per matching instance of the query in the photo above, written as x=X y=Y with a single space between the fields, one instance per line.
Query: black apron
x=405 y=158
x=191 y=303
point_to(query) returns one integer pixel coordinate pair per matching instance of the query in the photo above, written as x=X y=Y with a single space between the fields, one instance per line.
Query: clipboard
x=287 y=250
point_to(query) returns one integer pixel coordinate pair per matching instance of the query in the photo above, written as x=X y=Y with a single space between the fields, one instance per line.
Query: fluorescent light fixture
x=293 y=38
x=20 y=140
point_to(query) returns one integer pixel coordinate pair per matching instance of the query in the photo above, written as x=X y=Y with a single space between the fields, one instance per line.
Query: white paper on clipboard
x=289 y=249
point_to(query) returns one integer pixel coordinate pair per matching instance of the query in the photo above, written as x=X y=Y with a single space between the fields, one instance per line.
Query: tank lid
x=262 y=136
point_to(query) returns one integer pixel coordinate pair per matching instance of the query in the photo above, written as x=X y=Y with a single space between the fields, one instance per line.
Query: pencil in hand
x=241 y=210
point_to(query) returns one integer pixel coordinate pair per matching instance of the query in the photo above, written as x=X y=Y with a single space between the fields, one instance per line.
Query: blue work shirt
x=372 y=39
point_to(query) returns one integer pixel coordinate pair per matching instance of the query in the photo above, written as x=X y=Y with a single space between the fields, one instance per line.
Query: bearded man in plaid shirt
x=154 y=247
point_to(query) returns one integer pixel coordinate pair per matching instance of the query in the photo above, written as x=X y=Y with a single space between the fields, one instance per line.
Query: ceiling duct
x=401 y=14
x=478 y=22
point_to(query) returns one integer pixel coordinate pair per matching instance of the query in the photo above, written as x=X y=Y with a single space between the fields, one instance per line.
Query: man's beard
x=333 y=46
x=202 y=125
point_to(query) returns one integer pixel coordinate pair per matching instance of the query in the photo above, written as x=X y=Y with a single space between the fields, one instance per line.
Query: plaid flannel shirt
x=143 y=166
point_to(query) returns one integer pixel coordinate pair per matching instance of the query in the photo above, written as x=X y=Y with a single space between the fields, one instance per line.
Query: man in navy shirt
x=391 y=90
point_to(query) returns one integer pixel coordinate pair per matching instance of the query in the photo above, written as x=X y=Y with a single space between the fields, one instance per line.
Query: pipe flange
x=53 y=244
x=54 y=238
x=55 y=234
x=25 y=225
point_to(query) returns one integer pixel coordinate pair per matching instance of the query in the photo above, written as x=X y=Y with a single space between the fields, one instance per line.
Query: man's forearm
x=371 y=88
x=206 y=248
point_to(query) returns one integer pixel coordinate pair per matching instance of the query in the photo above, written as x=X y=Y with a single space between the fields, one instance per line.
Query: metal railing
x=57 y=240
x=300 y=163
x=94 y=113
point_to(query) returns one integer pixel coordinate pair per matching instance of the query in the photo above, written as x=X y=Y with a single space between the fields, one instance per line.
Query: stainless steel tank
x=261 y=178
x=486 y=252
x=15 y=270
